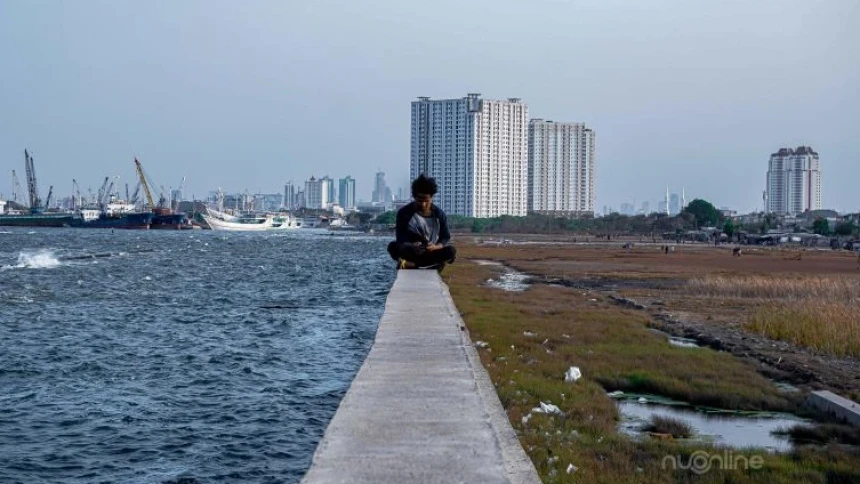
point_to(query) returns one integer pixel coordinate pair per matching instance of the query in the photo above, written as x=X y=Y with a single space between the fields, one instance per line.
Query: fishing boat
x=218 y=220
x=252 y=223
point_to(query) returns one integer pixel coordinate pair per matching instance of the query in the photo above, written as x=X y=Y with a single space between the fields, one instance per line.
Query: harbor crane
x=102 y=189
x=135 y=196
x=144 y=184
x=16 y=187
x=77 y=200
x=109 y=192
x=48 y=198
x=179 y=192
x=32 y=188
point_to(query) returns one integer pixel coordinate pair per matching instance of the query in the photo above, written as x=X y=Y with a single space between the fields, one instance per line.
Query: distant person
x=422 y=239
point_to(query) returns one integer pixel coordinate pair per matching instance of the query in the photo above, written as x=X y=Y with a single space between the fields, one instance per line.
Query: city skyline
x=200 y=96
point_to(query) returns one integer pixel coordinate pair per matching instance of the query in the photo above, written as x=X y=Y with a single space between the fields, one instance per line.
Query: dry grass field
x=566 y=319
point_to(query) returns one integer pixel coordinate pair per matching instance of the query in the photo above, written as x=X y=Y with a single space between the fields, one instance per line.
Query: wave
x=43 y=259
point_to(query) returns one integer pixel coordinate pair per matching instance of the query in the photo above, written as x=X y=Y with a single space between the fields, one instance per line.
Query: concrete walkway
x=421 y=408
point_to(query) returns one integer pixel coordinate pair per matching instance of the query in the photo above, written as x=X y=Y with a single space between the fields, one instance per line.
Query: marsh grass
x=669 y=426
x=828 y=327
x=818 y=312
x=822 y=434
x=821 y=288
x=615 y=351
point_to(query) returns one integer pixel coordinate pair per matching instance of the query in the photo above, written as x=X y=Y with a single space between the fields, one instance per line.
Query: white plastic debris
x=526 y=418
x=642 y=400
x=529 y=334
x=615 y=394
x=565 y=336
x=571 y=468
x=547 y=408
x=572 y=374
x=545 y=342
x=481 y=344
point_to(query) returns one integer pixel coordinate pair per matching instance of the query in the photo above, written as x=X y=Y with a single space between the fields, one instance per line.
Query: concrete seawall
x=421 y=408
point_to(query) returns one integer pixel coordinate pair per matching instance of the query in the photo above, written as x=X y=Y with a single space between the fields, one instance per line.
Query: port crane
x=32 y=188
x=179 y=192
x=77 y=201
x=147 y=193
x=100 y=200
x=135 y=196
x=16 y=187
x=48 y=198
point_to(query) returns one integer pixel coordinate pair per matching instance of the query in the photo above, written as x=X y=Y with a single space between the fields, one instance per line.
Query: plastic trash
x=571 y=469
x=615 y=394
x=642 y=400
x=572 y=374
x=529 y=334
x=481 y=344
x=547 y=408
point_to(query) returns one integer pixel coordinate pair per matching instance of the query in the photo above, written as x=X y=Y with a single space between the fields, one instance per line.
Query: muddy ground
x=648 y=281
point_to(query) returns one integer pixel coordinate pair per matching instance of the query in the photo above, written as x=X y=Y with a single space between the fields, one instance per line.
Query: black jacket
x=404 y=215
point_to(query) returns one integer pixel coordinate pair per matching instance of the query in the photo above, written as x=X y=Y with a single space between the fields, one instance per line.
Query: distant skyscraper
x=330 y=195
x=380 y=189
x=674 y=204
x=646 y=208
x=346 y=192
x=628 y=209
x=561 y=168
x=290 y=196
x=317 y=193
x=477 y=149
x=793 y=181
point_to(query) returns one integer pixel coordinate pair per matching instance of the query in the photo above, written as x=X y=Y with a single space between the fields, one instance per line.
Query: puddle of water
x=786 y=387
x=511 y=280
x=721 y=428
x=677 y=341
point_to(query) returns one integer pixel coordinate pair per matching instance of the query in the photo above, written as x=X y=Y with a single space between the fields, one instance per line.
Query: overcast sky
x=247 y=95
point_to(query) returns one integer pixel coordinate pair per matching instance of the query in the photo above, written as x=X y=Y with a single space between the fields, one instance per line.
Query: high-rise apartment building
x=290 y=202
x=381 y=192
x=331 y=191
x=561 y=161
x=346 y=192
x=317 y=193
x=476 y=149
x=793 y=181
x=674 y=204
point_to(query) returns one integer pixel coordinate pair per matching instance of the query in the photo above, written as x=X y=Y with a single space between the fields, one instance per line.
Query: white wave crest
x=42 y=259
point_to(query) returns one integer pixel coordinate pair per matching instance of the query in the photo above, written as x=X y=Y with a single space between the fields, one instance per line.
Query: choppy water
x=151 y=357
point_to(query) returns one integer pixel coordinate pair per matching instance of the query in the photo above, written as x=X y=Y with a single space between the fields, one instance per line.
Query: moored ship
x=96 y=219
x=21 y=219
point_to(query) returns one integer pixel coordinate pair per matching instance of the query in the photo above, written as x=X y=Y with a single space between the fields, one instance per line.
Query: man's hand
x=434 y=247
x=419 y=247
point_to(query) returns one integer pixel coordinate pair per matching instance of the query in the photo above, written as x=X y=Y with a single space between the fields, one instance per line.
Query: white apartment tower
x=793 y=181
x=346 y=192
x=477 y=150
x=561 y=168
x=317 y=193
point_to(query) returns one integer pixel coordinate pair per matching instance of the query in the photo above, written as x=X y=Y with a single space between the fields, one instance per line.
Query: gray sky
x=252 y=94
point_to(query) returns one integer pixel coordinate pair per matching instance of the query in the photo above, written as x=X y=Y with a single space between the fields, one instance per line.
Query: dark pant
x=420 y=256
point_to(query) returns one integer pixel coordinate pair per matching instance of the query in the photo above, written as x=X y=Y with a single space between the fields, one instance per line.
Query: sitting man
x=422 y=239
